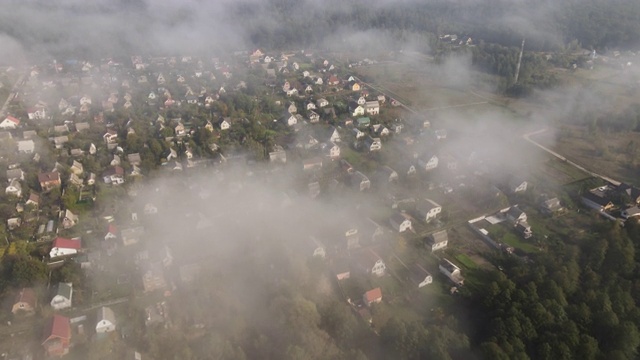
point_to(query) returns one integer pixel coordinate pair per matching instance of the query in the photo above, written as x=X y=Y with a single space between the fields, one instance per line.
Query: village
x=82 y=141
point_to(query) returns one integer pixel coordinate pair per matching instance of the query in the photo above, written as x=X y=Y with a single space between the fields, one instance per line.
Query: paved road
x=580 y=167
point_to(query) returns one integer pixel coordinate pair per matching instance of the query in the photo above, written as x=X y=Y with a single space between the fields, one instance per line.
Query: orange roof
x=373 y=295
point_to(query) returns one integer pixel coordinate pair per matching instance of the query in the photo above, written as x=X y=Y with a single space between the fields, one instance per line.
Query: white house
x=64 y=247
x=26 y=146
x=372 y=107
x=357 y=111
x=400 y=222
x=451 y=271
x=428 y=209
x=63 y=296
x=438 y=240
x=428 y=162
x=14 y=188
x=322 y=103
x=105 y=321
x=9 y=123
x=225 y=124
x=420 y=276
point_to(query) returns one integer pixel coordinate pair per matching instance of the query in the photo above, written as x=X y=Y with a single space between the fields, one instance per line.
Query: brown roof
x=49 y=176
x=27 y=295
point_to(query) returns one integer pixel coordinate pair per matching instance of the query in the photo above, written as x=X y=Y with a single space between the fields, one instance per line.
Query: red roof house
x=62 y=247
x=372 y=296
x=57 y=336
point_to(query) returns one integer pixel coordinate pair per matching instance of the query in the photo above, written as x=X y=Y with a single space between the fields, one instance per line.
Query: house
x=76 y=168
x=381 y=99
x=318 y=249
x=451 y=271
x=524 y=229
x=333 y=80
x=381 y=130
x=400 y=222
x=517 y=185
x=322 y=102
x=353 y=86
x=372 y=144
x=290 y=119
x=25 y=302
x=62 y=299
x=370 y=262
x=225 y=124
x=551 y=206
x=132 y=235
x=340 y=267
x=359 y=181
x=357 y=133
x=515 y=215
x=64 y=247
x=26 y=146
x=14 y=223
x=630 y=192
x=278 y=155
x=105 y=320
x=420 y=276
x=313 y=117
x=75 y=180
x=114 y=175
x=292 y=92
x=440 y=134
x=292 y=109
x=110 y=137
x=70 y=219
x=370 y=232
x=153 y=278
x=372 y=107
x=14 y=188
x=310 y=106
x=428 y=161
x=386 y=175
x=314 y=163
x=9 y=123
x=134 y=159
x=57 y=336
x=438 y=240
x=597 y=200
x=332 y=150
x=59 y=141
x=373 y=296
x=361 y=101
x=15 y=173
x=34 y=199
x=428 y=210
x=49 y=180
x=630 y=212
x=112 y=232
x=356 y=110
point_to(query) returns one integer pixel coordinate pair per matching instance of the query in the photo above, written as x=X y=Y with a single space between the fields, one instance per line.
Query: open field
x=609 y=154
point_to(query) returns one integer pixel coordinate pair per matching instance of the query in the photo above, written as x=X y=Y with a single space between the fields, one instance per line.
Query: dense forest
x=575 y=301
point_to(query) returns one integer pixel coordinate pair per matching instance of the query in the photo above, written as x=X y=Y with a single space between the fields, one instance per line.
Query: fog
x=250 y=229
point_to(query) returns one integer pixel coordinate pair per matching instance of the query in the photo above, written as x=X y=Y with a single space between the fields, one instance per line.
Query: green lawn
x=466 y=261
x=518 y=243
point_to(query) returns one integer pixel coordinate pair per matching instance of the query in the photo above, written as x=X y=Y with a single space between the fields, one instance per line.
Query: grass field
x=466 y=261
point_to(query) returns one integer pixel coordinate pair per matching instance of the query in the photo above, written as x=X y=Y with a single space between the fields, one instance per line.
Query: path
x=14 y=90
x=579 y=167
